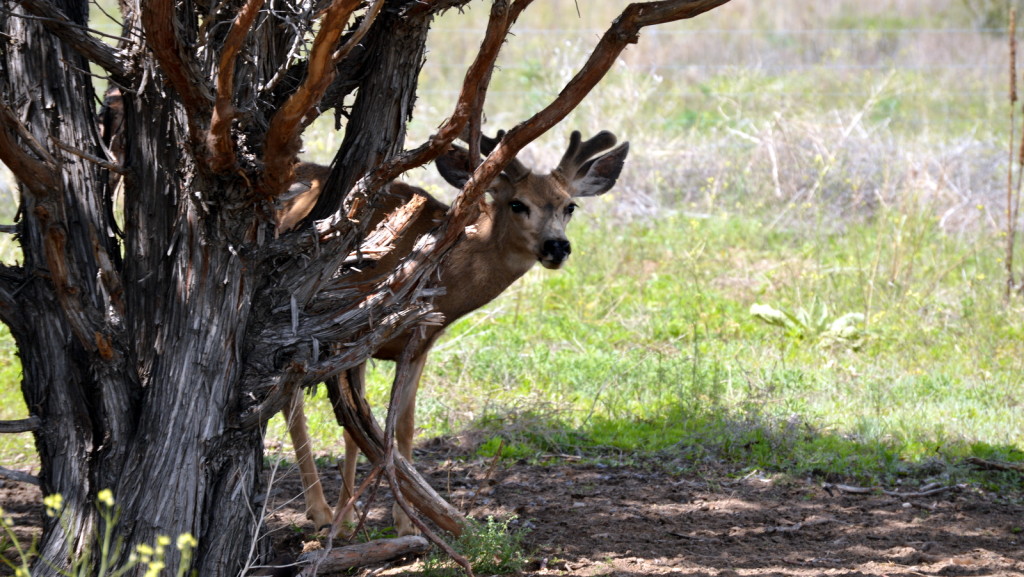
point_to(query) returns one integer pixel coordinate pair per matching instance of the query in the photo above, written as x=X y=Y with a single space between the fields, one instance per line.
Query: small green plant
x=10 y=542
x=814 y=325
x=110 y=547
x=491 y=547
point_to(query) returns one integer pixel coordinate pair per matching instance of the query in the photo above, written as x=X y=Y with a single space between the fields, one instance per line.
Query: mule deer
x=524 y=223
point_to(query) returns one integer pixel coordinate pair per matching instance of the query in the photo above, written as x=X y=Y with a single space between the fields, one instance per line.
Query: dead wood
x=926 y=491
x=163 y=30
x=361 y=554
x=812 y=522
x=283 y=141
x=995 y=465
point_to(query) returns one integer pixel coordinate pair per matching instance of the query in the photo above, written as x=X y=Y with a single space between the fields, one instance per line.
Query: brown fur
x=523 y=224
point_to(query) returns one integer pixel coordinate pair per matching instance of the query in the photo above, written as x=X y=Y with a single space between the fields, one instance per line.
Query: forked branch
x=218 y=141
x=623 y=31
x=468 y=107
x=404 y=381
x=283 y=141
x=161 y=33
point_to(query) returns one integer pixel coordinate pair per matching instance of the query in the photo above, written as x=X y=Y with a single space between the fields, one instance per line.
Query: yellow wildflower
x=106 y=497
x=186 y=540
x=154 y=569
x=53 y=503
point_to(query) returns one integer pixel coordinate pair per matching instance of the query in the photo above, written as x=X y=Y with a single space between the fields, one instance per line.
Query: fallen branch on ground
x=995 y=465
x=926 y=491
x=363 y=554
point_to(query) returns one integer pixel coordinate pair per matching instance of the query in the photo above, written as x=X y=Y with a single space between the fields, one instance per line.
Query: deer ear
x=598 y=175
x=454 y=166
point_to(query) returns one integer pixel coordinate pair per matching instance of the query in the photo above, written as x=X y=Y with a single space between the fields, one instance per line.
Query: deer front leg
x=317 y=508
x=405 y=429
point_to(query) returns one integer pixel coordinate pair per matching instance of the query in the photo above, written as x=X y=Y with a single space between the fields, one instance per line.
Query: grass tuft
x=492 y=547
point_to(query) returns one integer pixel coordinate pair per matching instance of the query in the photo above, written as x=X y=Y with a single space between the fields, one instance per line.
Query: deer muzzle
x=555 y=252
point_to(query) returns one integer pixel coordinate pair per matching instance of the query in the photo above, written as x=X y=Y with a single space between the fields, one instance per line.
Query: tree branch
x=404 y=380
x=340 y=312
x=112 y=167
x=468 y=106
x=218 y=140
x=161 y=26
x=391 y=57
x=12 y=280
x=283 y=141
x=21 y=425
x=623 y=31
x=19 y=476
x=76 y=35
x=331 y=561
x=37 y=173
x=353 y=412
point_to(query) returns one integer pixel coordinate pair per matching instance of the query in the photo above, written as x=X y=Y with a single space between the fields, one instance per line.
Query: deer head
x=528 y=212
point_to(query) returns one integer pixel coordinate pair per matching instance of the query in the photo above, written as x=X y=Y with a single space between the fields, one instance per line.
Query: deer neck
x=479 y=268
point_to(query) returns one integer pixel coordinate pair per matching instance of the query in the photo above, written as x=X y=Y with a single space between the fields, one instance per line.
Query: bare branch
x=12 y=280
x=283 y=141
x=218 y=140
x=624 y=30
x=161 y=32
x=353 y=412
x=419 y=8
x=19 y=476
x=498 y=25
x=112 y=167
x=405 y=379
x=357 y=37
x=361 y=554
x=38 y=173
x=76 y=35
x=468 y=106
x=927 y=491
x=21 y=425
x=995 y=465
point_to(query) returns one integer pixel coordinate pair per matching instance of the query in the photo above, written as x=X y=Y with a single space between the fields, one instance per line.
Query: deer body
x=522 y=225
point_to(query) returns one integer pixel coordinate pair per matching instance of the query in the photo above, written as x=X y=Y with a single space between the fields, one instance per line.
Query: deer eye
x=518 y=207
x=571 y=208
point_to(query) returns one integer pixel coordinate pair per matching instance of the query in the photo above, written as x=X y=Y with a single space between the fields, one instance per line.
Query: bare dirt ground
x=585 y=520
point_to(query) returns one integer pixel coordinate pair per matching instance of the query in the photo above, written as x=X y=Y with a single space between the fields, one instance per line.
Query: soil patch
x=586 y=520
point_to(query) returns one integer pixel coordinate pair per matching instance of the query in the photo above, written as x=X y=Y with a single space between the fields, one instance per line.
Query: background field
x=844 y=161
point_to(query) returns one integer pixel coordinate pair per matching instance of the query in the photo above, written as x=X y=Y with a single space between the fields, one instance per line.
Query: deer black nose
x=557 y=250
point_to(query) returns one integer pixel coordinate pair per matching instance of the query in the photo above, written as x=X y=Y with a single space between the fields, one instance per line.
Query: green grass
x=19 y=449
x=646 y=347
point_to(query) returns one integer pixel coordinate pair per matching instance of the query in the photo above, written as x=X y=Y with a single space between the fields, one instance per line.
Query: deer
x=523 y=223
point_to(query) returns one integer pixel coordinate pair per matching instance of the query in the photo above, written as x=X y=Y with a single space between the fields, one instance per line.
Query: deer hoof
x=403 y=525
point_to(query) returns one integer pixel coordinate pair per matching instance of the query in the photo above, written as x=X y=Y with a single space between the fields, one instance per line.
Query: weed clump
x=491 y=547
